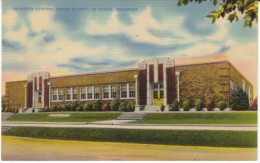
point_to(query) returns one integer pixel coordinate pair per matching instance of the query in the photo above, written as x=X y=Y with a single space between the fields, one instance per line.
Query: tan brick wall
x=206 y=81
x=15 y=94
x=238 y=78
x=94 y=79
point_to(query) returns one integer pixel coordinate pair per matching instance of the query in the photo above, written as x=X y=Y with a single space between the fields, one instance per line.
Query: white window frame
x=89 y=90
x=56 y=91
x=112 y=87
x=121 y=85
x=107 y=91
x=96 y=89
x=85 y=93
x=70 y=92
x=127 y=90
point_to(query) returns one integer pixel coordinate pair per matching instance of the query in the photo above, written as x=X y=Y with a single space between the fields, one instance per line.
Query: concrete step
x=131 y=116
x=5 y=116
x=152 y=108
x=29 y=110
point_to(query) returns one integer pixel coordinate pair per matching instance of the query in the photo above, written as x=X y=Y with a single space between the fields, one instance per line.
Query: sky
x=66 y=37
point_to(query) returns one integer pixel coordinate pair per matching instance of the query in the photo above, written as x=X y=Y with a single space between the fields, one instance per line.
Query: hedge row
x=169 y=137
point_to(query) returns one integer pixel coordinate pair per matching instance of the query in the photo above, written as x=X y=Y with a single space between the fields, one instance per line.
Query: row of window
x=93 y=92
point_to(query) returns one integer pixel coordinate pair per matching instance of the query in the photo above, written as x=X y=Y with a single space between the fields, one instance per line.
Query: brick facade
x=205 y=81
x=15 y=94
x=208 y=81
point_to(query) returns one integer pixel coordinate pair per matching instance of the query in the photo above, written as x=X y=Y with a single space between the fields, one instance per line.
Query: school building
x=154 y=83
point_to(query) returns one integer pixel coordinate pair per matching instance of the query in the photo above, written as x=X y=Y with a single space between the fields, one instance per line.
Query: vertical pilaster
x=148 y=85
x=164 y=83
x=178 y=85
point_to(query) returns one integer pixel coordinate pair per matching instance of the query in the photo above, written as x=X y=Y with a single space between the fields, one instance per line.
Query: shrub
x=79 y=108
x=105 y=106
x=87 y=106
x=46 y=109
x=162 y=107
x=130 y=107
x=239 y=100
x=114 y=105
x=186 y=105
x=222 y=105
x=209 y=104
x=175 y=106
x=122 y=106
x=198 y=104
x=62 y=107
x=97 y=105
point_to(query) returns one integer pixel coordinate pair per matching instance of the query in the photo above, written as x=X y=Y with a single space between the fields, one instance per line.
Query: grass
x=58 y=150
x=200 y=118
x=168 y=137
x=75 y=117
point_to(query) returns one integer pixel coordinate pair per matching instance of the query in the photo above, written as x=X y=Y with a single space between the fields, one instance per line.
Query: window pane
x=123 y=91
x=105 y=91
x=83 y=93
x=113 y=91
x=96 y=92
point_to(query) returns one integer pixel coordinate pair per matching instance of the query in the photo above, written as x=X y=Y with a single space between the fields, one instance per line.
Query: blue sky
x=83 y=41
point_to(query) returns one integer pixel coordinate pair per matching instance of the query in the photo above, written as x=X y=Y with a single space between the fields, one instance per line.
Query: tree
x=239 y=100
x=3 y=104
x=229 y=8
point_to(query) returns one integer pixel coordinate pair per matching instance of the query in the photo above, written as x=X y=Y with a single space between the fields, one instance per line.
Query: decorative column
x=25 y=97
x=49 y=84
x=178 y=85
x=136 y=90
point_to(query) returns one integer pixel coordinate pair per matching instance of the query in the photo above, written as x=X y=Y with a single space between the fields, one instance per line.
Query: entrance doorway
x=158 y=94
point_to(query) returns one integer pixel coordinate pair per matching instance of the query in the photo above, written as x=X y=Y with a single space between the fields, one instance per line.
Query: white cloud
x=139 y=30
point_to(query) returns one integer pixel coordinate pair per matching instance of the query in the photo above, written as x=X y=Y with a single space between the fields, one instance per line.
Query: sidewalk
x=122 y=124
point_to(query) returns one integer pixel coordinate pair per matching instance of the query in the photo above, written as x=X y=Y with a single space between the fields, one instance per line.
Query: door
x=158 y=94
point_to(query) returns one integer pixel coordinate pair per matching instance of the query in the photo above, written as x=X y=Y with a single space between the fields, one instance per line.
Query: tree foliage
x=231 y=8
x=239 y=100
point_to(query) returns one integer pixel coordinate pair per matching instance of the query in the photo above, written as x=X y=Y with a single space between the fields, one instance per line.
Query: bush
x=130 y=107
x=114 y=105
x=79 y=108
x=222 y=105
x=87 y=106
x=186 y=105
x=209 y=104
x=198 y=104
x=175 y=106
x=122 y=106
x=162 y=107
x=105 y=106
x=97 y=105
x=239 y=100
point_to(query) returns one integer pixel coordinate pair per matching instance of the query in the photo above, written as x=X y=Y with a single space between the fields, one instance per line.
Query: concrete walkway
x=122 y=124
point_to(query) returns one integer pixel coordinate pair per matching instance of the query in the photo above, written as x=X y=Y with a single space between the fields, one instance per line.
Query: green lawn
x=169 y=137
x=200 y=118
x=75 y=117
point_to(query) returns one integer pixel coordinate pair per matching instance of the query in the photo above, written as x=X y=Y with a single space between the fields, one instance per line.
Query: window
x=106 y=91
x=54 y=94
x=131 y=90
x=89 y=92
x=60 y=94
x=155 y=94
x=113 y=91
x=161 y=94
x=96 y=92
x=83 y=93
x=127 y=90
x=68 y=94
x=123 y=90
x=75 y=93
